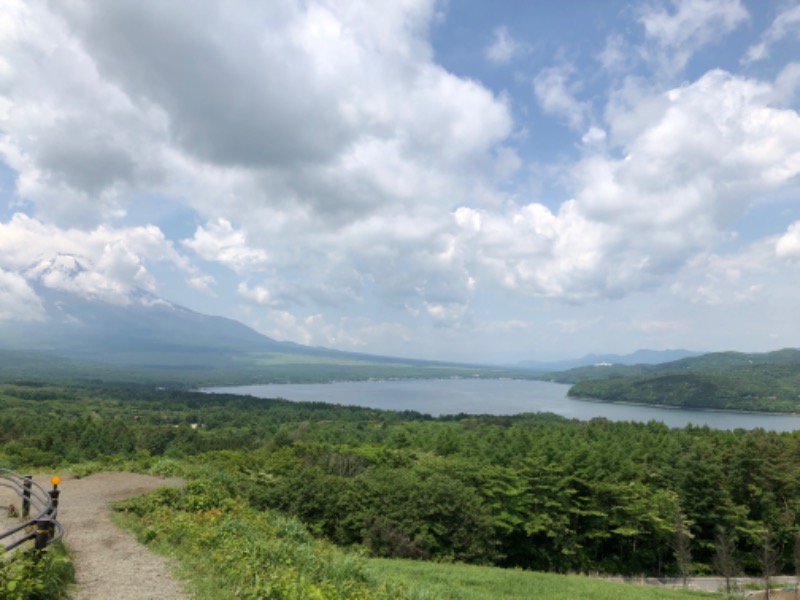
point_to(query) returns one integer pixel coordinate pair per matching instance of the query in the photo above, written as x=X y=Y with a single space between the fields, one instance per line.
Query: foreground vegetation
x=536 y=492
x=227 y=550
x=34 y=577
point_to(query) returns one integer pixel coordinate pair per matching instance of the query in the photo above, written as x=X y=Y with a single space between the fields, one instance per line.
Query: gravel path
x=109 y=563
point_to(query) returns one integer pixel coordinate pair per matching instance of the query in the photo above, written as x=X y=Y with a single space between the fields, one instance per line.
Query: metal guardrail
x=39 y=511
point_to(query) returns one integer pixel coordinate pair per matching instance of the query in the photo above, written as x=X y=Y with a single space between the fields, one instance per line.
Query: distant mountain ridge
x=709 y=362
x=640 y=357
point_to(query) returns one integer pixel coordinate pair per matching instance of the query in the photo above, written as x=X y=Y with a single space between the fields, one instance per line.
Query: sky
x=469 y=181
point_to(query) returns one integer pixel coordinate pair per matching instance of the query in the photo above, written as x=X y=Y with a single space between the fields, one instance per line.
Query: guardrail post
x=54 y=494
x=26 y=496
x=42 y=533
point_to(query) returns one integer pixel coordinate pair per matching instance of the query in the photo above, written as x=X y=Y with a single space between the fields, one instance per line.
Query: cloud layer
x=330 y=162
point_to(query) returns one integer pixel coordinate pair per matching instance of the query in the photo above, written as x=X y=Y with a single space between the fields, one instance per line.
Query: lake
x=499 y=397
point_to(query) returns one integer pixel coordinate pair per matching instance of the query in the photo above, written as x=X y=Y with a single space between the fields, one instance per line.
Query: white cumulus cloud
x=104 y=262
x=323 y=139
x=219 y=241
x=320 y=152
x=788 y=245
x=688 y=169
x=18 y=301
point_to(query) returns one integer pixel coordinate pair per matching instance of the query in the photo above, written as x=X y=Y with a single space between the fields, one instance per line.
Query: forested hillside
x=531 y=491
x=714 y=362
x=767 y=382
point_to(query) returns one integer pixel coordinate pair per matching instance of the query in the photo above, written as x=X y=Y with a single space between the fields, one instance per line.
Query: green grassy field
x=466 y=582
x=226 y=549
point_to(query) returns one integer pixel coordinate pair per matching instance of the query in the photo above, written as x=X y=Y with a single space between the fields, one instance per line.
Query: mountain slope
x=84 y=315
x=97 y=329
x=85 y=326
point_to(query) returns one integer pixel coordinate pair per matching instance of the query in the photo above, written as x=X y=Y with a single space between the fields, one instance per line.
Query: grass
x=226 y=550
x=467 y=582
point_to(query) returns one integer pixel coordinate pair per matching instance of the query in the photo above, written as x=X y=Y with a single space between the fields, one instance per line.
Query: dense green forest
x=533 y=491
x=767 y=382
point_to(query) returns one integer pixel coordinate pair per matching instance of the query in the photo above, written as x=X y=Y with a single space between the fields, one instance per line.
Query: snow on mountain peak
x=66 y=264
x=78 y=275
x=56 y=287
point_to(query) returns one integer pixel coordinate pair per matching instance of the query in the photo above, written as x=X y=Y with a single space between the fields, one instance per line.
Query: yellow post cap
x=55 y=480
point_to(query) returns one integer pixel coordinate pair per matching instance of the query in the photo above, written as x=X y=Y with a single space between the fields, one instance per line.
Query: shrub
x=35 y=576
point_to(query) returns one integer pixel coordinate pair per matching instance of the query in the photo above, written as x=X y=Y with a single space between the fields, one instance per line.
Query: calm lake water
x=498 y=397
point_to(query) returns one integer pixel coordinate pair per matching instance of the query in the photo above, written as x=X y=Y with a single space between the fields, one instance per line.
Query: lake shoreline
x=689 y=408
x=503 y=397
x=484 y=378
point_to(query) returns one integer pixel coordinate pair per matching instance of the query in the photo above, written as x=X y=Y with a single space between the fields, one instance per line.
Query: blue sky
x=452 y=180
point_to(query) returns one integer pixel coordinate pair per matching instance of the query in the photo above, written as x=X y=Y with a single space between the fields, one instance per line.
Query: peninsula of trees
x=735 y=381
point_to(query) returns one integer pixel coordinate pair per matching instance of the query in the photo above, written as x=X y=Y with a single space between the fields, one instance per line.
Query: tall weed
x=34 y=576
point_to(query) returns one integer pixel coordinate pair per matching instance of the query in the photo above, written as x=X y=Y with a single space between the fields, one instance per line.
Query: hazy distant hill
x=640 y=357
x=704 y=363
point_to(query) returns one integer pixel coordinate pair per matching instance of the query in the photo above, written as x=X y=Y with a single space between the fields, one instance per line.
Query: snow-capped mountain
x=85 y=313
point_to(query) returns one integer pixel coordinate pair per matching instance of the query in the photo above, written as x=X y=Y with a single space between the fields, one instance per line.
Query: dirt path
x=109 y=563
x=708 y=584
